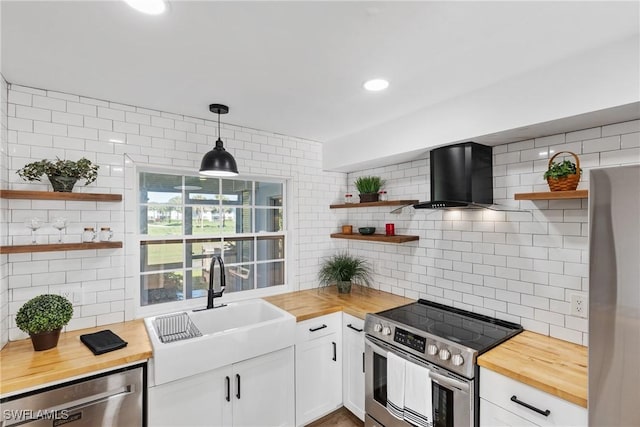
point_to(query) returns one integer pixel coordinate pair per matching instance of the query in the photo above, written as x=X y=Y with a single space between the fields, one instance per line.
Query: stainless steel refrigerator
x=614 y=296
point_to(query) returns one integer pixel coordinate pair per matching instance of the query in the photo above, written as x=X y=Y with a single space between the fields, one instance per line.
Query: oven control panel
x=410 y=340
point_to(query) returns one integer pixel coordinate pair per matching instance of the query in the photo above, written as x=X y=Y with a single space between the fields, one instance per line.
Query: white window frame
x=189 y=304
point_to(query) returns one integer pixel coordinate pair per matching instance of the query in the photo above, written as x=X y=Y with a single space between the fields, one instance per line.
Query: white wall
x=46 y=124
x=4 y=178
x=518 y=266
x=595 y=80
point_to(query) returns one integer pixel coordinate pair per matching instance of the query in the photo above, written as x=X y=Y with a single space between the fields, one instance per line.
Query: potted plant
x=563 y=176
x=368 y=187
x=63 y=174
x=343 y=270
x=42 y=318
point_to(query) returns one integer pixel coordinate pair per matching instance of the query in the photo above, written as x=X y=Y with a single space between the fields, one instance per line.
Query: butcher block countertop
x=317 y=302
x=23 y=368
x=548 y=364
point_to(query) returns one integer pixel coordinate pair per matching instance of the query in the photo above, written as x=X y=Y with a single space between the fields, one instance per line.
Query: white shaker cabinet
x=257 y=391
x=318 y=367
x=353 y=364
x=507 y=402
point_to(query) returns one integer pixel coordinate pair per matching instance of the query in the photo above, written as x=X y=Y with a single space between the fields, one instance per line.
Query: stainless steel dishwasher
x=115 y=398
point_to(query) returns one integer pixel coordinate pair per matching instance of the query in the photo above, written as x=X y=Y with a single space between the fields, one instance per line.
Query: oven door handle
x=445 y=381
x=375 y=347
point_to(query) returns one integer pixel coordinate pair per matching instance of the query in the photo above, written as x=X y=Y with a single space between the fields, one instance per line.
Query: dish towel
x=395 y=385
x=418 y=404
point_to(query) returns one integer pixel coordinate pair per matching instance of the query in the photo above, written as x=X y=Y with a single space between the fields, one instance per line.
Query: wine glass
x=33 y=224
x=59 y=224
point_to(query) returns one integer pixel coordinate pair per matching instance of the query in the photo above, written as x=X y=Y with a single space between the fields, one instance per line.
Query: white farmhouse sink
x=238 y=331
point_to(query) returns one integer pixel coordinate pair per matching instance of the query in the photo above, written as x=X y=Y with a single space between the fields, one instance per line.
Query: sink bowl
x=236 y=332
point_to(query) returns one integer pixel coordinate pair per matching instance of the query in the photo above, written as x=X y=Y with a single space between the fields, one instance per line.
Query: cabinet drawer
x=352 y=324
x=499 y=390
x=318 y=327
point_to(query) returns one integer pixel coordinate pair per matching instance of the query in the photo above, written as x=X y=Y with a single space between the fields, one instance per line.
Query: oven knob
x=444 y=354
x=377 y=327
x=457 y=360
x=432 y=349
x=386 y=330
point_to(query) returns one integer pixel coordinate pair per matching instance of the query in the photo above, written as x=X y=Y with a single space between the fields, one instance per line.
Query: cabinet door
x=199 y=400
x=353 y=365
x=318 y=378
x=492 y=416
x=263 y=390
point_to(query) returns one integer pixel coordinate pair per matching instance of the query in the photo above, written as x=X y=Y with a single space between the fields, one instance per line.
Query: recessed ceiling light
x=375 y=85
x=150 y=7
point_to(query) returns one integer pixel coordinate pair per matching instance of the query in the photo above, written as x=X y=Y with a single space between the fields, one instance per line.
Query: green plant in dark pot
x=368 y=187
x=42 y=318
x=63 y=174
x=342 y=270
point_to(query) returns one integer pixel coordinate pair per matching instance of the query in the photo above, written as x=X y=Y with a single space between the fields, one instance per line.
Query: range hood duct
x=461 y=177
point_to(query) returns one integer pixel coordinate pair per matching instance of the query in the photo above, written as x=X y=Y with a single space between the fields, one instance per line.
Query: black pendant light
x=218 y=162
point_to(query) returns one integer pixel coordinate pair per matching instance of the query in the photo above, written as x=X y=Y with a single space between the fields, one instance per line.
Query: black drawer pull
x=238 y=386
x=318 y=328
x=228 y=381
x=354 y=328
x=363 y=363
x=546 y=412
x=335 y=353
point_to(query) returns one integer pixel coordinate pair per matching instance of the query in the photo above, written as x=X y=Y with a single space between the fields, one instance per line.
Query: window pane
x=236 y=192
x=199 y=252
x=197 y=282
x=236 y=220
x=271 y=247
x=160 y=188
x=161 y=220
x=268 y=194
x=239 y=277
x=270 y=274
x=203 y=191
x=160 y=255
x=202 y=219
x=238 y=250
x=269 y=220
x=161 y=287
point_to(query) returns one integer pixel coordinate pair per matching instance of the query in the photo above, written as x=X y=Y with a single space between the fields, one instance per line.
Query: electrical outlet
x=68 y=293
x=579 y=305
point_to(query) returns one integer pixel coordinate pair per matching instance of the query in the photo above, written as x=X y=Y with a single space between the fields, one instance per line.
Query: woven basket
x=566 y=183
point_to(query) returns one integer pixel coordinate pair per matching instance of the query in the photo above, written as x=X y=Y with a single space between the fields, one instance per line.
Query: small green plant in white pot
x=63 y=174
x=42 y=318
x=343 y=270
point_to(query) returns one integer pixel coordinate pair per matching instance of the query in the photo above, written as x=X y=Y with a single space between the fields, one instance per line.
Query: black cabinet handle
x=228 y=382
x=363 y=362
x=238 y=386
x=354 y=328
x=318 y=328
x=546 y=412
x=335 y=355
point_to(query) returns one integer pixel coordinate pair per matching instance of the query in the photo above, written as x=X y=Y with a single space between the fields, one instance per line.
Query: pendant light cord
x=218 y=124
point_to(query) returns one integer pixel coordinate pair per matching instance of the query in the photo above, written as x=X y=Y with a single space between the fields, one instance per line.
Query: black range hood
x=461 y=177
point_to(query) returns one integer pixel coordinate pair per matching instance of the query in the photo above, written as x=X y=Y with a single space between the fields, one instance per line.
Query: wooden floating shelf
x=376 y=237
x=553 y=195
x=374 y=204
x=52 y=195
x=23 y=249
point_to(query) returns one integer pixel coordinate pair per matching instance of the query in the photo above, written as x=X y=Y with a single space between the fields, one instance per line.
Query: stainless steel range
x=438 y=346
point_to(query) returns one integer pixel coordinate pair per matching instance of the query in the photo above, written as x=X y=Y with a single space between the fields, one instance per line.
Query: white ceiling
x=295 y=67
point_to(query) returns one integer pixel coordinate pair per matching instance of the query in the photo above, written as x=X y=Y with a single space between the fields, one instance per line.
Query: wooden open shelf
x=53 y=247
x=51 y=195
x=374 y=204
x=376 y=237
x=553 y=195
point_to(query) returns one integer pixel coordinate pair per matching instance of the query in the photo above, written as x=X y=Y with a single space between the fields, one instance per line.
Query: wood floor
x=340 y=418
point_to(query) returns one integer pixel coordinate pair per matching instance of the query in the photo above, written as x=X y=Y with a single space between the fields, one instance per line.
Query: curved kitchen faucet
x=211 y=294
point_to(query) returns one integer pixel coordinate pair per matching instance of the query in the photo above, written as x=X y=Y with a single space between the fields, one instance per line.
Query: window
x=185 y=220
